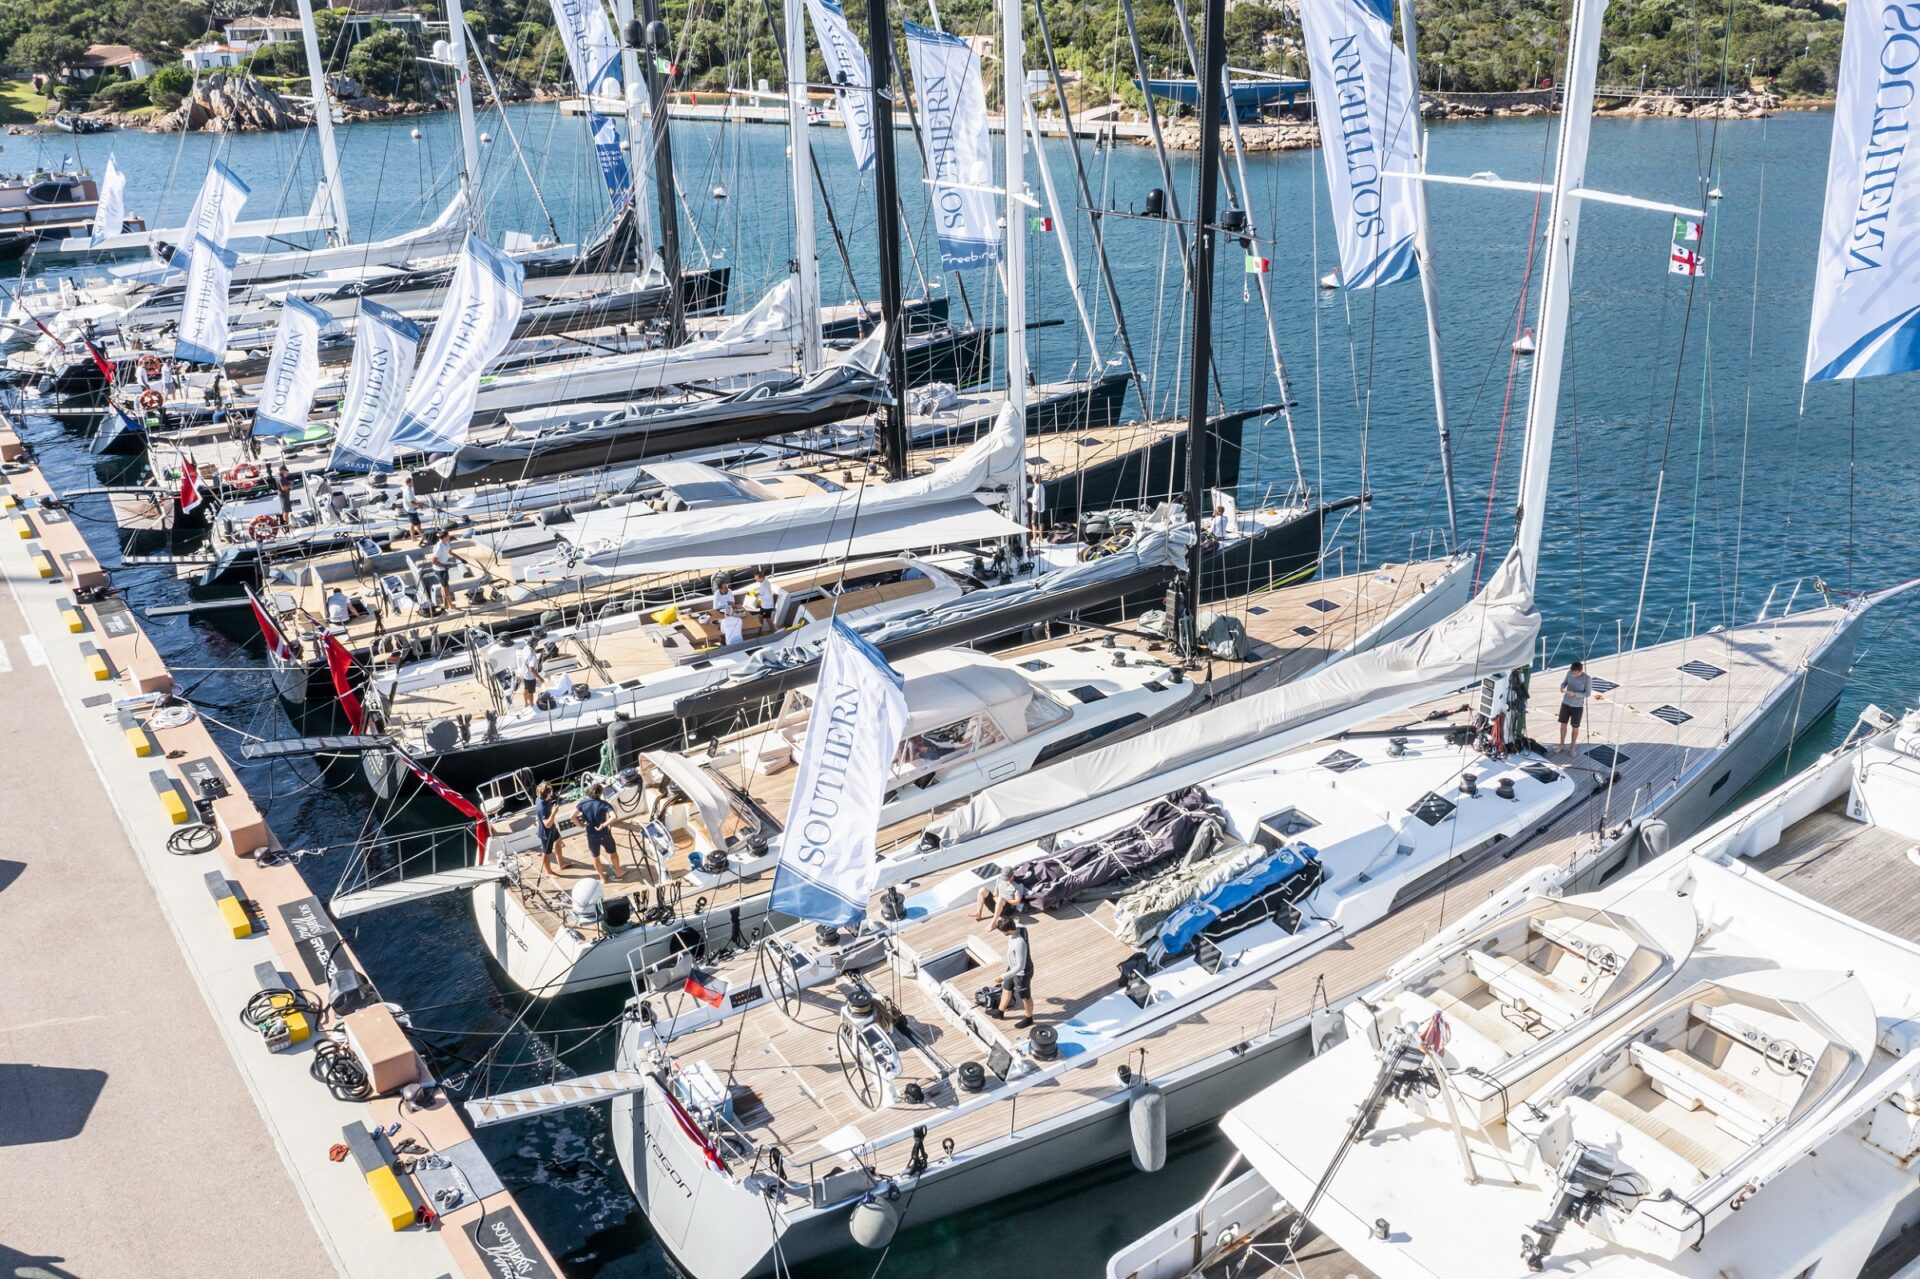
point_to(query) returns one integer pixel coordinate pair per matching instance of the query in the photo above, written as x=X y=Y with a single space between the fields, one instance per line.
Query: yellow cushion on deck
x=138 y=739
x=391 y=1197
x=235 y=916
x=76 y=620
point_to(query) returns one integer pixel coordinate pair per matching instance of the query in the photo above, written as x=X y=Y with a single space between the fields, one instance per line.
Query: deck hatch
x=1432 y=809
x=1701 y=670
x=1670 y=714
x=1339 y=762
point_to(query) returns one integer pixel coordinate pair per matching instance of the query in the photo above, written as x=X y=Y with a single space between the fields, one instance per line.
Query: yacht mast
x=1212 y=75
x=658 y=50
x=639 y=158
x=1563 y=231
x=463 y=100
x=1429 y=281
x=893 y=432
x=323 y=123
x=806 y=257
x=1013 y=97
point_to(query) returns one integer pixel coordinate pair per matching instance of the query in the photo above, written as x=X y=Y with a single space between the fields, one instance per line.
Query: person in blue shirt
x=595 y=814
x=546 y=820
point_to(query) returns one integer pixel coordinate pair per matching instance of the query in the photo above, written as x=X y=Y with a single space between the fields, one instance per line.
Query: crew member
x=442 y=556
x=339 y=608
x=528 y=669
x=765 y=598
x=1016 y=981
x=1036 y=505
x=595 y=813
x=1000 y=897
x=722 y=595
x=283 y=484
x=1219 y=526
x=1575 y=688
x=546 y=820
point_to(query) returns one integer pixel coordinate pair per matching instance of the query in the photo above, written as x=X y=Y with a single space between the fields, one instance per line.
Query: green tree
x=161 y=28
x=45 y=51
x=168 y=85
x=383 y=63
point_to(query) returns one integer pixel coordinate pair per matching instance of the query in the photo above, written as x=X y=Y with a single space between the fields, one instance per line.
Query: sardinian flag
x=1365 y=100
x=202 y=336
x=826 y=864
x=847 y=68
x=110 y=214
x=277 y=645
x=383 y=350
x=474 y=326
x=293 y=370
x=1866 y=303
x=1685 y=261
x=953 y=112
x=190 y=495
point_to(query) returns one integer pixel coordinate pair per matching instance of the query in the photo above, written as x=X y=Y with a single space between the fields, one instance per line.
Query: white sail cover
x=202 y=336
x=1494 y=632
x=953 y=114
x=293 y=370
x=1365 y=100
x=592 y=52
x=384 y=344
x=847 y=68
x=111 y=212
x=1866 y=307
x=827 y=864
x=946 y=507
x=473 y=328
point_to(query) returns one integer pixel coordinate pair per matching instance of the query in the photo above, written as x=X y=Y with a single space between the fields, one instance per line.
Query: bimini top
x=953 y=684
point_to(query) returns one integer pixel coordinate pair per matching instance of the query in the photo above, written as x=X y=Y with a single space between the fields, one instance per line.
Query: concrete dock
x=144 y=1128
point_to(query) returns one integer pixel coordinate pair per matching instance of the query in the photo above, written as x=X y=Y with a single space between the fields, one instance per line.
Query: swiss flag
x=190 y=495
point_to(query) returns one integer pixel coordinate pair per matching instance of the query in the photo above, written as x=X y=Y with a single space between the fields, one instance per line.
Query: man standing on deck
x=1574 y=690
x=1016 y=980
x=595 y=813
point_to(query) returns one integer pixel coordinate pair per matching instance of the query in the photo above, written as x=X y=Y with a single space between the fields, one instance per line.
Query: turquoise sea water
x=1701 y=386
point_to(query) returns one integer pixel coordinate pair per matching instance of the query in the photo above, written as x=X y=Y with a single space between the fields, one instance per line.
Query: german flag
x=706 y=987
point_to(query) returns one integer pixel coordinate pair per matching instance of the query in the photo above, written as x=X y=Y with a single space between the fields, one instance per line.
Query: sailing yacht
x=1704 y=1067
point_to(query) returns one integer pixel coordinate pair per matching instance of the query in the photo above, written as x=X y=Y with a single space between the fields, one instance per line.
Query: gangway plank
x=546 y=1099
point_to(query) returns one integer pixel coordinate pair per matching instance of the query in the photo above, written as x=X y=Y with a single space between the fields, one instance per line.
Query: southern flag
x=1686 y=230
x=1258 y=266
x=706 y=987
x=1685 y=261
x=1040 y=223
x=190 y=495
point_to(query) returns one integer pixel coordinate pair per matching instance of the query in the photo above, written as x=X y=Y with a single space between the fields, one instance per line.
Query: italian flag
x=1686 y=231
x=1685 y=261
x=1258 y=266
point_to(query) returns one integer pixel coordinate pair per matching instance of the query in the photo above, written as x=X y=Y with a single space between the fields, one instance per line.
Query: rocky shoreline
x=224 y=103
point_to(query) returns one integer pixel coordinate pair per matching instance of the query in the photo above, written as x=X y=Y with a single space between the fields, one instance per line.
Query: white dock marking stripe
x=6 y=663
x=35 y=651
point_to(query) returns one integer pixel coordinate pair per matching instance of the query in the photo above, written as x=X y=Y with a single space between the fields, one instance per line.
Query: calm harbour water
x=1757 y=491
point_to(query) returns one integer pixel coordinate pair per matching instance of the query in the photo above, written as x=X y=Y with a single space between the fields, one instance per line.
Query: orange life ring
x=262 y=528
x=150 y=363
x=244 y=476
x=150 y=399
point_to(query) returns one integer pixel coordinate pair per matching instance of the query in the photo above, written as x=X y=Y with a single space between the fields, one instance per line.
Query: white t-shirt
x=1220 y=525
x=339 y=609
x=723 y=599
x=1037 y=498
x=732 y=629
x=529 y=663
x=442 y=555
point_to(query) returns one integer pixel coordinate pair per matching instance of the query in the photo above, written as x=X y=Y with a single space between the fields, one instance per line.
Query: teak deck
x=800 y=1099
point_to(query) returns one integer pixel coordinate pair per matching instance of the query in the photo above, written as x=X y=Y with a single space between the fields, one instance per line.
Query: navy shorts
x=1571 y=714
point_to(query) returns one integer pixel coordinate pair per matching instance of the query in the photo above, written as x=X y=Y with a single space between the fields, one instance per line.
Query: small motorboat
x=1525 y=344
x=69 y=122
x=1331 y=280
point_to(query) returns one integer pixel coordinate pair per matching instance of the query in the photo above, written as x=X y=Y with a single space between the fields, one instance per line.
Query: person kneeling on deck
x=594 y=813
x=546 y=821
x=1001 y=897
x=1016 y=982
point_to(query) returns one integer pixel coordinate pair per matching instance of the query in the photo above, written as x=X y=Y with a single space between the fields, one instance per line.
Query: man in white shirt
x=732 y=629
x=722 y=596
x=1219 y=526
x=1036 y=505
x=527 y=667
x=339 y=608
x=442 y=558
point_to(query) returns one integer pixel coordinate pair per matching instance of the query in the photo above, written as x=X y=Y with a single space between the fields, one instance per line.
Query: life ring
x=244 y=476
x=262 y=528
x=150 y=364
x=150 y=399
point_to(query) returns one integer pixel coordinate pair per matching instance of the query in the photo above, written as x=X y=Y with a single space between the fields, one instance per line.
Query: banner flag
x=953 y=114
x=383 y=351
x=847 y=68
x=293 y=370
x=474 y=326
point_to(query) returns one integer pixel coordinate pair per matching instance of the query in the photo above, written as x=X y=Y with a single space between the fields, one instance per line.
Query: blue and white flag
x=847 y=68
x=593 y=53
x=383 y=351
x=1866 y=290
x=217 y=207
x=613 y=160
x=474 y=326
x=1367 y=105
x=110 y=214
x=293 y=370
x=202 y=335
x=827 y=865
x=953 y=114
